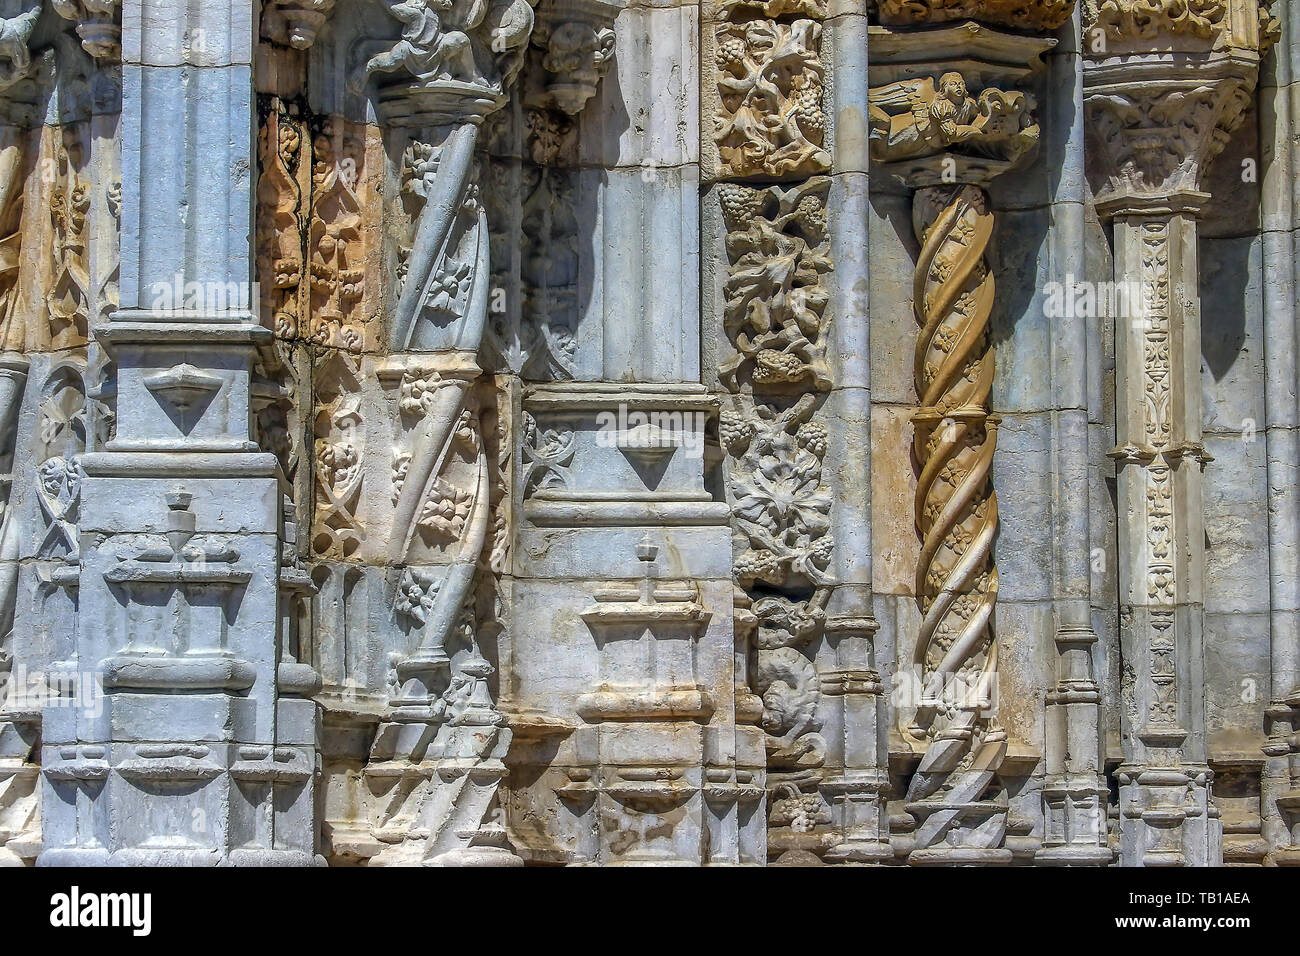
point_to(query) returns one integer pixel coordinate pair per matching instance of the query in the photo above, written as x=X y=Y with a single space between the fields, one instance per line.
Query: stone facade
x=688 y=432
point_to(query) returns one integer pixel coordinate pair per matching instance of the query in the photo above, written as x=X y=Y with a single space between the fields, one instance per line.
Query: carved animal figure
x=426 y=50
x=15 y=35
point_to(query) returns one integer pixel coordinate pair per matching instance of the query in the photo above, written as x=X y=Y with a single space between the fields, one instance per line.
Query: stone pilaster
x=1074 y=796
x=1164 y=88
x=203 y=723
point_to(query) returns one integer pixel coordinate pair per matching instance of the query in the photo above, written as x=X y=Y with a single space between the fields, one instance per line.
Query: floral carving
x=1149 y=19
x=1021 y=14
x=1158 y=138
x=781 y=512
x=415 y=594
x=776 y=298
x=770 y=81
x=280 y=200
x=445 y=510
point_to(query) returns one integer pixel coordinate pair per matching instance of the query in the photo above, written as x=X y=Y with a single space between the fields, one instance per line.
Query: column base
x=1074 y=856
x=959 y=856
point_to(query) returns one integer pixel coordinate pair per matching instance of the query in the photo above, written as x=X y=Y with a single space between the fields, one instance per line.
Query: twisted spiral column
x=956 y=514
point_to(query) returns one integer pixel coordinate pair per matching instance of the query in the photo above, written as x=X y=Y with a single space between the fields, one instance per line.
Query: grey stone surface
x=492 y=436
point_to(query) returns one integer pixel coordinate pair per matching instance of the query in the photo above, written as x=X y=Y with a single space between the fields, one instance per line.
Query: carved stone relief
x=770 y=82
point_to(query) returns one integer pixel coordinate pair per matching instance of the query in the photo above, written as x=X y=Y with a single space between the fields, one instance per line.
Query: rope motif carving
x=956 y=509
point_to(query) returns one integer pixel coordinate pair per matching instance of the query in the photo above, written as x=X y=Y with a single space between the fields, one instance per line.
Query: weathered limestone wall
x=595 y=432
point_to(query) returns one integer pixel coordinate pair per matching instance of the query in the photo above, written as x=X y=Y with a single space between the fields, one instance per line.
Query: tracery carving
x=770 y=82
x=548 y=454
x=335 y=243
x=68 y=299
x=60 y=442
x=337 y=452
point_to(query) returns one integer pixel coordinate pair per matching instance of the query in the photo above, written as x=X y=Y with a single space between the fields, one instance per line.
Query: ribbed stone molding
x=1164 y=88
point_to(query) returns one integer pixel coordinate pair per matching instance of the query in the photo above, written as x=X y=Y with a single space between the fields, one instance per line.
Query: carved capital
x=1166 y=82
x=15 y=54
x=576 y=40
x=295 y=23
x=1157 y=139
x=454 y=61
x=932 y=125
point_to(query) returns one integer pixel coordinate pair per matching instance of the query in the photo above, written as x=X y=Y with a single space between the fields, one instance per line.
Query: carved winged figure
x=924 y=117
x=912 y=117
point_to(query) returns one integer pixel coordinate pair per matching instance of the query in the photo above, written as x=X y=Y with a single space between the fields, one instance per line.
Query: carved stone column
x=936 y=137
x=636 y=735
x=1280 y=779
x=1165 y=85
x=436 y=761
